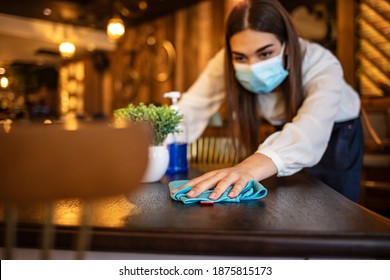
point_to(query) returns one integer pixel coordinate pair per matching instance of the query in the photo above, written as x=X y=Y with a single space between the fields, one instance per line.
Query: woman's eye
x=239 y=59
x=265 y=55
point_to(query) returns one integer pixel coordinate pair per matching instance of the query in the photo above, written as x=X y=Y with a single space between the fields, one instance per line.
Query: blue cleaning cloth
x=253 y=190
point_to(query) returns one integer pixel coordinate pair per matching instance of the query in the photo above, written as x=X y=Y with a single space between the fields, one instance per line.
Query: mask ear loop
x=285 y=57
x=287 y=62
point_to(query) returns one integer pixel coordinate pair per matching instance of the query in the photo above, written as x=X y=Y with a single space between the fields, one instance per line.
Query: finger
x=222 y=186
x=195 y=181
x=204 y=177
x=237 y=188
x=206 y=184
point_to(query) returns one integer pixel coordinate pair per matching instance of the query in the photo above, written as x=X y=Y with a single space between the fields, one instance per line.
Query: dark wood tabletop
x=300 y=217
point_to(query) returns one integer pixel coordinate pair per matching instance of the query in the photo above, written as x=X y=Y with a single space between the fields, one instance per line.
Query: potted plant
x=160 y=121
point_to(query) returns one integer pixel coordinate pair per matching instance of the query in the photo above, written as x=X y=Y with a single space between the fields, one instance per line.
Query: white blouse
x=302 y=142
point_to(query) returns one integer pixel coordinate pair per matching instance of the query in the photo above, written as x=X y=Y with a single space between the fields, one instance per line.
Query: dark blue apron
x=341 y=165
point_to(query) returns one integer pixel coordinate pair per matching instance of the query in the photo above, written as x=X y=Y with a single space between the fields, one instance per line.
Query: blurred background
x=85 y=58
x=165 y=46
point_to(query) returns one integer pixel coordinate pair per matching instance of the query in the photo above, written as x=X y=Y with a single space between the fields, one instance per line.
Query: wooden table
x=300 y=217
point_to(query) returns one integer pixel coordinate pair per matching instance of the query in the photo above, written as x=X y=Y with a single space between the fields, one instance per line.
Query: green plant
x=162 y=120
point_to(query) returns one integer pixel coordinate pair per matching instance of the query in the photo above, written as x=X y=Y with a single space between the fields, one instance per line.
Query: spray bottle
x=177 y=142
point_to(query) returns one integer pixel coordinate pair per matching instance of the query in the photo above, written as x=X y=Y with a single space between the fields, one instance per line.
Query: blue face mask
x=261 y=77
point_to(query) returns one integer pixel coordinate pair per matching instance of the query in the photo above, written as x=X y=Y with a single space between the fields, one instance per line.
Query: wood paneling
x=346 y=38
x=196 y=34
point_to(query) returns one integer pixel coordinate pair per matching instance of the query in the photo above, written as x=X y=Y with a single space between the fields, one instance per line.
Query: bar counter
x=299 y=218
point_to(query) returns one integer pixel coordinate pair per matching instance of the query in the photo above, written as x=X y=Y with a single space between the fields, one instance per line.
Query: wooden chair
x=42 y=164
x=375 y=190
x=213 y=150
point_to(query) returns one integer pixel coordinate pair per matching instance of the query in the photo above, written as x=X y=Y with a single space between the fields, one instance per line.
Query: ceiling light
x=67 y=49
x=47 y=12
x=4 y=82
x=143 y=5
x=115 y=29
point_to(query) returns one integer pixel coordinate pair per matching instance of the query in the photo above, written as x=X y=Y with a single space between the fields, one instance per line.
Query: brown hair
x=264 y=16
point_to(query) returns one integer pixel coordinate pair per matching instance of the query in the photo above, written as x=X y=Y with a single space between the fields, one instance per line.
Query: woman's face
x=249 y=46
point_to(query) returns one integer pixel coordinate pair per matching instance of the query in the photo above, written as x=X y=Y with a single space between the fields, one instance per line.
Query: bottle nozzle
x=174 y=95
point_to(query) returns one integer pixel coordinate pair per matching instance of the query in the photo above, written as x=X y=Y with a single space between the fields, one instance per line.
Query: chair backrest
x=214 y=149
x=375 y=189
x=43 y=163
x=376 y=129
x=376 y=125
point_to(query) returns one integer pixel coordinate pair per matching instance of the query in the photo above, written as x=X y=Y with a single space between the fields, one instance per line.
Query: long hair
x=265 y=16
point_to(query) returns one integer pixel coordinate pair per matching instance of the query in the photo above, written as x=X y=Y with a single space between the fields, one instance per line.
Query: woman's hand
x=256 y=167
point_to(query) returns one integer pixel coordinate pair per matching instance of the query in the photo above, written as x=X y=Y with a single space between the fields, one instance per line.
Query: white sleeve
x=204 y=97
x=302 y=142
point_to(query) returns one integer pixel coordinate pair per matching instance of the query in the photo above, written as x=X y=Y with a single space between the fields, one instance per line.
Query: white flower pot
x=157 y=164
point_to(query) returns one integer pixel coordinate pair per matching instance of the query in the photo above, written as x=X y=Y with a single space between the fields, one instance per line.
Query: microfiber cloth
x=253 y=190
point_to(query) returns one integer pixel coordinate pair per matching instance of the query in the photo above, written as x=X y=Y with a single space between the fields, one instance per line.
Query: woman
x=297 y=86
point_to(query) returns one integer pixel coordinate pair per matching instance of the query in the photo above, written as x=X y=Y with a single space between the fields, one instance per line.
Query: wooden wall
x=346 y=44
x=196 y=34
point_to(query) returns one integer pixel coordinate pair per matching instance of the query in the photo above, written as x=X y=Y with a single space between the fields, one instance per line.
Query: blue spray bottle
x=177 y=142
